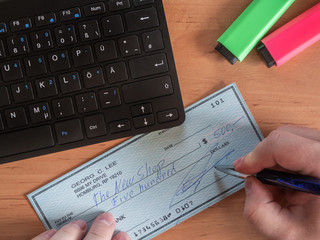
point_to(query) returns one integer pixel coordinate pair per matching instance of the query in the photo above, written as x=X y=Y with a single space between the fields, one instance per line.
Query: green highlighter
x=250 y=27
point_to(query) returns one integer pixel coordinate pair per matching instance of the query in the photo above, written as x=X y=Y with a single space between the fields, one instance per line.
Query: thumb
x=264 y=213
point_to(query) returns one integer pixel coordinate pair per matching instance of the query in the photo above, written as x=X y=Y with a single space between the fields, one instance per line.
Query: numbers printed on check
x=154 y=181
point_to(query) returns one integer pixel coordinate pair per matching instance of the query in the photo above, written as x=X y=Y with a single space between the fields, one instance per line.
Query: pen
x=280 y=179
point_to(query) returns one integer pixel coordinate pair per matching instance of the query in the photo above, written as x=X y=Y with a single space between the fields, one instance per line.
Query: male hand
x=278 y=213
x=102 y=229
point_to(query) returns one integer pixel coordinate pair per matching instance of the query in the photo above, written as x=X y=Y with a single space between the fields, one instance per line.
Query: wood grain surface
x=285 y=95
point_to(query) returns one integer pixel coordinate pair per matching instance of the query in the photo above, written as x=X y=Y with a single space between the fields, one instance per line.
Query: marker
x=250 y=27
x=280 y=179
x=291 y=39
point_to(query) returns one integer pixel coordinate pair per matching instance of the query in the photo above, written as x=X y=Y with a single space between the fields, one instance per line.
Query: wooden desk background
x=286 y=95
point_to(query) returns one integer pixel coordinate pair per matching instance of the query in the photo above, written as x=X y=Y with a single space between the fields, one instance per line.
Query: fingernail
x=51 y=232
x=106 y=218
x=238 y=162
x=248 y=185
x=80 y=224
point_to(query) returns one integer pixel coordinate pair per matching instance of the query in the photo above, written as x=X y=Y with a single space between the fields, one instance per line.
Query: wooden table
x=285 y=95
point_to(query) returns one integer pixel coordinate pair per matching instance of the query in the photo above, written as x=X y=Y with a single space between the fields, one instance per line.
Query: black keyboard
x=74 y=73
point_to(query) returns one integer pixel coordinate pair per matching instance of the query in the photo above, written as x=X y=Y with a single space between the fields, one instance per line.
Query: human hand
x=102 y=229
x=279 y=213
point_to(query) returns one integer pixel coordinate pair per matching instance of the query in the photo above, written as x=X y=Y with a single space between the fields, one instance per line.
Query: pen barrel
x=291 y=181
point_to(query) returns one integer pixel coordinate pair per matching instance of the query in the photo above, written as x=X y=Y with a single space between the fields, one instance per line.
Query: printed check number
x=154 y=181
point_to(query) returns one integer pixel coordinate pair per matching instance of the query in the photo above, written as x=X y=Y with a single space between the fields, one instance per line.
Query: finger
x=121 y=236
x=285 y=149
x=72 y=231
x=45 y=235
x=267 y=216
x=305 y=132
x=102 y=228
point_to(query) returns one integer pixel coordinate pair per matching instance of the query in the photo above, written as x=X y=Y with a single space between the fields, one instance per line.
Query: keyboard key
x=116 y=5
x=63 y=107
x=120 y=126
x=144 y=121
x=2 y=51
x=70 y=82
x=106 y=51
x=89 y=30
x=69 y=14
x=95 y=126
x=93 y=77
x=86 y=102
x=142 y=19
x=142 y=109
x=59 y=61
x=4 y=97
x=35 y=66
x=129 y=46
x=3 y=28
x=18 y=45
x=112 y=25
x=110 y=97
x=82 y=56
x=69 y=131
x=41 y=40
x=39 y=112
x=1 y=124
x=94 y=9
x=167 y=116
x=25 y=140
x=11 y=71
x=142 y=2
x=20 y=25
x=22 y=92
x=46 y=87
x=16 y=117
x=148 y=65
x=152 y=41
x=45 y=19
x=65 y=35
x=147 y=89
x=117 y=72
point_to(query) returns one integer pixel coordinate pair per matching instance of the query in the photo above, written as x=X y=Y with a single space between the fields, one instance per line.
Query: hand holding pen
x=276 y=212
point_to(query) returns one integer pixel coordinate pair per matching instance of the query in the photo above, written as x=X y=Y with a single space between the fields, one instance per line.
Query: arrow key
x=168 y=116
x=144 y=121
x=120 y=126
x=142 y=109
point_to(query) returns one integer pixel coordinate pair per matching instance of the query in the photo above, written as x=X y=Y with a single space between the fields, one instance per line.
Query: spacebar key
x=25 y=140
x=143 y=90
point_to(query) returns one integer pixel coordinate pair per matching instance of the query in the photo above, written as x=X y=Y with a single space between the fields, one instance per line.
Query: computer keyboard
x=74 y=73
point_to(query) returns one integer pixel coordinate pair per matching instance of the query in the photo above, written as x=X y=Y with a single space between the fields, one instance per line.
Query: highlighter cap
x=292 y=38
x=250 y=27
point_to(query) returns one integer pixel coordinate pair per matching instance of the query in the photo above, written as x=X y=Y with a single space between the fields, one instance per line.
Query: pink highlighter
x=292 y=38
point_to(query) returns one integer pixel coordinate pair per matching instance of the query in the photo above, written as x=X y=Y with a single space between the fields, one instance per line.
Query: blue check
x=153 y=181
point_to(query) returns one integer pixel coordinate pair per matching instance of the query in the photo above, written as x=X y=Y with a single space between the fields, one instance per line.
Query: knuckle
x=275 y=136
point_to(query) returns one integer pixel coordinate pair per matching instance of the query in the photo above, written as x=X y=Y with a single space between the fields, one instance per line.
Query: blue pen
x=280 y=179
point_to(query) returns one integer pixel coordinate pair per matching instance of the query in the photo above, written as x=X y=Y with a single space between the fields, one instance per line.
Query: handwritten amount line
x=138 y=182
x=151 y=186
x=191 y=136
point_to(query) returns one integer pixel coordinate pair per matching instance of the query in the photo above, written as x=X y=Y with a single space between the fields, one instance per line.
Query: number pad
x=41 y=40
x=59 y=61
x=18 y=45
x=35 y=66
x=89 y=30
x=65 y=35
x=39 y=112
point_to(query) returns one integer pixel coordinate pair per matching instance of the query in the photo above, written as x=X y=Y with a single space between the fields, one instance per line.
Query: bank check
x=154 y=181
